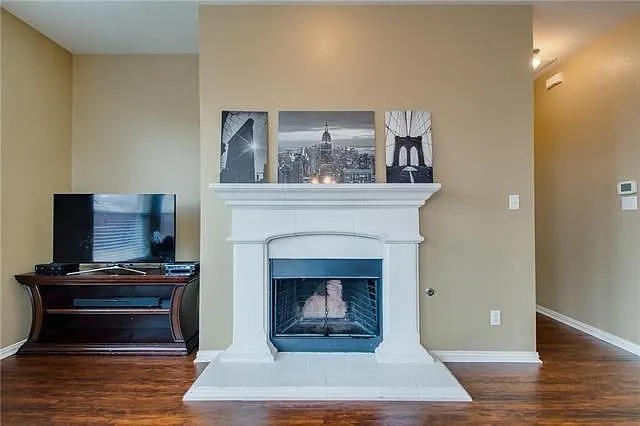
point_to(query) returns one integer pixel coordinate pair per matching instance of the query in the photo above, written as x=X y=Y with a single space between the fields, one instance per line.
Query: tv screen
x=114 y=228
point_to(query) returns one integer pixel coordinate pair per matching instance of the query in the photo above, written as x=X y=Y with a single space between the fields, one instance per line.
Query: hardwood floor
x=582 y=380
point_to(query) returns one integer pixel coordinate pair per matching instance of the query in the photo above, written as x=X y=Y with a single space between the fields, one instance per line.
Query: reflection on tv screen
x=114 y=228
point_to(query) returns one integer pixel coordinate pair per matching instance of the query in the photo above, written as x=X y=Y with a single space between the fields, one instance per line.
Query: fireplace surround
x=272 y=224
x=344 y=221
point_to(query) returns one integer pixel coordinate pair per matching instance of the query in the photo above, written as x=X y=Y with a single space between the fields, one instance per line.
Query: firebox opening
x=325 y=305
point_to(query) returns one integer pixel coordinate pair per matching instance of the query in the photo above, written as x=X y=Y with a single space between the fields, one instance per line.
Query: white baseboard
x=586 y=328
x=487 y=356
x=206 y=356
x=11 y=349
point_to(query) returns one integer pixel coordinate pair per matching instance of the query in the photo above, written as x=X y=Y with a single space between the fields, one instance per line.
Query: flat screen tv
x=114 y=228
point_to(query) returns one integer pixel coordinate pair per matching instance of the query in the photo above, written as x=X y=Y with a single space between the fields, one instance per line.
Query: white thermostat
x=628 y=187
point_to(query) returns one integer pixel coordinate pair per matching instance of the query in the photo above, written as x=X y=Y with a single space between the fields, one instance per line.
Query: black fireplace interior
x=325 y=305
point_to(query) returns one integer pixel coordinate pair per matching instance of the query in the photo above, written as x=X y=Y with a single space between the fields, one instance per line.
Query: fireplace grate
x=325 y=307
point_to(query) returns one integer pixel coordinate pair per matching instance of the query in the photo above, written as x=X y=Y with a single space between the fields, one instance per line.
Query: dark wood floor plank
x=582 y=381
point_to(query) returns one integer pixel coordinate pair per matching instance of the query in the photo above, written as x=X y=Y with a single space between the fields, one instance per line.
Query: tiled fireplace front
x=309 y=321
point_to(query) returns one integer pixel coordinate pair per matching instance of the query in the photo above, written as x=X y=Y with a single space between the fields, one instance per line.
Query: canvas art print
x=243 y=153
x=408 y=147
x=326 y=147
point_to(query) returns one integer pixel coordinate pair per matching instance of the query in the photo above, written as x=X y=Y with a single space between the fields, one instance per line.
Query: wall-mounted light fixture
x=536 y=59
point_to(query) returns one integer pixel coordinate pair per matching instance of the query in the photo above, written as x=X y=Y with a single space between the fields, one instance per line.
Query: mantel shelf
x=335 y=195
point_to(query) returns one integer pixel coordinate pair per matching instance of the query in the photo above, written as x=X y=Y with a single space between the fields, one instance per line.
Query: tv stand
x=90 y=313
x=108 y=268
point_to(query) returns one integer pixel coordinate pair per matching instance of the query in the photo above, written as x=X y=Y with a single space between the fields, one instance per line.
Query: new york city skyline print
x=326 y=147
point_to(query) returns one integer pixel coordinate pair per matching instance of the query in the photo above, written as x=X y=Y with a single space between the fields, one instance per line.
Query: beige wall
x=469 y=66
x=587 y=139
x=136 y=129
x=36 y=153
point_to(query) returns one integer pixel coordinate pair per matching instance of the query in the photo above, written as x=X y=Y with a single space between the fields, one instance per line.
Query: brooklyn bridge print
x=408 y=147
x=243 y=150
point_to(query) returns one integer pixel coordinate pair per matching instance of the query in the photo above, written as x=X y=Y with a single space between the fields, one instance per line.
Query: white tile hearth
x=326 y=376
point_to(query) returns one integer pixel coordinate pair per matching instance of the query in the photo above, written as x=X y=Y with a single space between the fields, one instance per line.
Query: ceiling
x=164 y=26
x=560 y=27
x=113 y=26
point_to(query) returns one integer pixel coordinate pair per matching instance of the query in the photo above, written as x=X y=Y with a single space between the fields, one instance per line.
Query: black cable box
x=180 y=268
x=56 y=268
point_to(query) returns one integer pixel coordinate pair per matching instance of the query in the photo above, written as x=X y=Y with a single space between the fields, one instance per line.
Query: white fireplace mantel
x=292 y=196
x=339 y=221
x=327 y=221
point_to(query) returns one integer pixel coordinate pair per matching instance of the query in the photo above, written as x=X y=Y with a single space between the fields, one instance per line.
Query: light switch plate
x=514 y=202
x=494 y=318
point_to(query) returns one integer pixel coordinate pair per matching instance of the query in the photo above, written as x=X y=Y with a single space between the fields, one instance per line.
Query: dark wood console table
x=153 y=314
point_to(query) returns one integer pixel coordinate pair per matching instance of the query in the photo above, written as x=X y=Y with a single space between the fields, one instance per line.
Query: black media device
x=56 y=268
x=181 y=268
x=114 y=228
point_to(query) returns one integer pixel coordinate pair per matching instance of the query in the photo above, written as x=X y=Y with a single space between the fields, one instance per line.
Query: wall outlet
x=494 y=318
x=629 y=202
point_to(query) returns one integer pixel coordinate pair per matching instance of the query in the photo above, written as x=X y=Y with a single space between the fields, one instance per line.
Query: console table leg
x=37 y=313
x=176 y=303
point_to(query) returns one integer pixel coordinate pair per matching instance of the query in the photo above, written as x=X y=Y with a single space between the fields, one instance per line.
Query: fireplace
x=344 y=221
x=325 y=296
x=325 y=305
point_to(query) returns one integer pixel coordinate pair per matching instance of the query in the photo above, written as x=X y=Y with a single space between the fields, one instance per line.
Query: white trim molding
x=7 y=351
x=206 y=356
x=488 y=356
x=592 y=331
